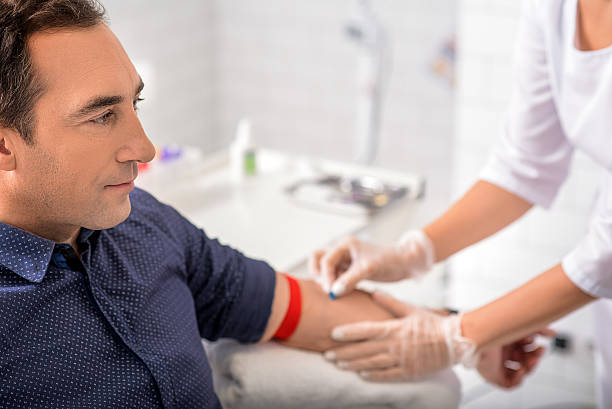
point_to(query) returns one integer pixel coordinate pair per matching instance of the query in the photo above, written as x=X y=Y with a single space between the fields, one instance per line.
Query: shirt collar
x=84 y=235
x=27 y=254
x=24 y=253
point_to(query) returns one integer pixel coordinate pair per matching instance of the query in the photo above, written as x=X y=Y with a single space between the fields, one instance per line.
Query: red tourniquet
x=292 y=317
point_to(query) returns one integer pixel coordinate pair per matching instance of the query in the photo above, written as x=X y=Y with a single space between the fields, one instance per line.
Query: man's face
x=87 y=136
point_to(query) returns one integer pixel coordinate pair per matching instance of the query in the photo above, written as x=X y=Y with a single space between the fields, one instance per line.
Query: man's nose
x=138 y=146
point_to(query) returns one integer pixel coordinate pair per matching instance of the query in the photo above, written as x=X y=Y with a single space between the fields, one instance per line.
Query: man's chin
x=109 y=218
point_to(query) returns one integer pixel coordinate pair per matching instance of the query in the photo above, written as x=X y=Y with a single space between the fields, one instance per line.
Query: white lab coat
x=562 y=101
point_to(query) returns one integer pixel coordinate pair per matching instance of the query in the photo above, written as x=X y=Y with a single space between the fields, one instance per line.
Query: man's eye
x=136 y=101
x=103 y=120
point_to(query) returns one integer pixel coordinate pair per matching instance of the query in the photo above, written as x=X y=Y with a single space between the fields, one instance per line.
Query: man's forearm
x=320 y=314
x=525 y=310
x=481 y=212
x=279 y=307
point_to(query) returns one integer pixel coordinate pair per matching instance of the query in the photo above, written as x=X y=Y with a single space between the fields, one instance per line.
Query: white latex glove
x=404 y=349
x=339 y=269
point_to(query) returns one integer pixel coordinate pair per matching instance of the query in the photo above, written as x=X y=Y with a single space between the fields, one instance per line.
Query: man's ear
x=7 y=153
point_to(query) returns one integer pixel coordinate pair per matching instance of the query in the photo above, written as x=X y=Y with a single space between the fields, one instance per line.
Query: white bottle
x=242 y=152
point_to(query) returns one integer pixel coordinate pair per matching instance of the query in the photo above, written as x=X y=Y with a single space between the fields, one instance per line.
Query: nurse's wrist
x=462 y=349
x=472 y=329
x=416 y=252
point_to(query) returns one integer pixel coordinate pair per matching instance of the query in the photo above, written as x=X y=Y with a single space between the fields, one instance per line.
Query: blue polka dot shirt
x=120 y=326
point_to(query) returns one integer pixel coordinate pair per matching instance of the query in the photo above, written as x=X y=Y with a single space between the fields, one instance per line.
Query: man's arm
x=320 y=314
x=485 y=209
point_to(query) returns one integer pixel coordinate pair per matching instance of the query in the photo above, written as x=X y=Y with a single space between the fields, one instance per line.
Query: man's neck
x=73 y=241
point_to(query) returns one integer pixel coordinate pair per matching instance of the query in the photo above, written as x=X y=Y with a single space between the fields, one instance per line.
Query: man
x=105 y=293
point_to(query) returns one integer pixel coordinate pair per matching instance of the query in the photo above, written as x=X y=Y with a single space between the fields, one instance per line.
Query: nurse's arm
x=544 y=299
x=482 y=211
x=319 y=314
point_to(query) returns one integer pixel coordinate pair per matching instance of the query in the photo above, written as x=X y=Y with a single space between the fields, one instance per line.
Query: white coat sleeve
x=533 y=157
x=589 y=264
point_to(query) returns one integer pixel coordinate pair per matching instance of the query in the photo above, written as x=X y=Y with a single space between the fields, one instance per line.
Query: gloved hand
x=340 y=269
x=412 y=347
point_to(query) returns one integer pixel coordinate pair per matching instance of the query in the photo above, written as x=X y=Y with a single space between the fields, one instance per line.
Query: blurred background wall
x=289 y=66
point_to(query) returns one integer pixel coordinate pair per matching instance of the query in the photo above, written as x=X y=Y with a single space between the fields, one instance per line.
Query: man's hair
x=20 y=87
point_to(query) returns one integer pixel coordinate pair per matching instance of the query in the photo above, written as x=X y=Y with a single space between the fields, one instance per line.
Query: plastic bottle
x=242 y=152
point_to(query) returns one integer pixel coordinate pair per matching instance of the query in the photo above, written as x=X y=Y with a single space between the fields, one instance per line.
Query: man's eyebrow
x=95 y=104
x=102 y=101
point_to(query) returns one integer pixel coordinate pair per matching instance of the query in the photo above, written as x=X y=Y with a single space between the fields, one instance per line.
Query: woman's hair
x=19 y=19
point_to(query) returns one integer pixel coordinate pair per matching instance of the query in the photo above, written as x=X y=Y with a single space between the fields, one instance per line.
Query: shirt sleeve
x=533 y=156
x=233 y=294
x=589 y=264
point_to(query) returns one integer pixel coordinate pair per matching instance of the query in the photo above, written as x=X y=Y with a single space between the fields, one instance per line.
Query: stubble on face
x=55 y=206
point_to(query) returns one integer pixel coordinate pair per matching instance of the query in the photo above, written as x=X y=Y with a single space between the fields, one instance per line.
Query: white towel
x=271 y=376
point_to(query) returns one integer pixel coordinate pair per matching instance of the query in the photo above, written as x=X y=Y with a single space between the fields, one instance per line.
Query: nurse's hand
x=340 y=268
x=412 y=347
x=507 y=366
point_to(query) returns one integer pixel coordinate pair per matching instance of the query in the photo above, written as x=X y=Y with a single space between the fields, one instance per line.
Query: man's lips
x=129 y=182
